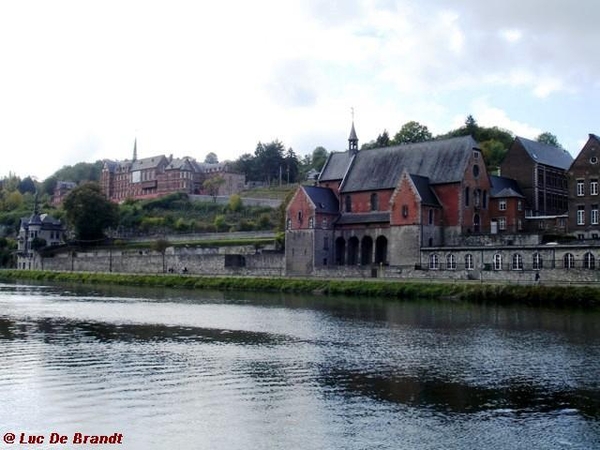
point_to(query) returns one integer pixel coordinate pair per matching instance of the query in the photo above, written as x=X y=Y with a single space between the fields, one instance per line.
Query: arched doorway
x=340 y=251
x=381 y=250
x=353 y=245
x=366 y=251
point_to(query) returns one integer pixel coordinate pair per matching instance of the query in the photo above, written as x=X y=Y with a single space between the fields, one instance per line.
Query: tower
x=353 y=139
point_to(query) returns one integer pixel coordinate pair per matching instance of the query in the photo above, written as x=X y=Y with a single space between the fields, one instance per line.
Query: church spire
x=353 y=139
x=135 y=149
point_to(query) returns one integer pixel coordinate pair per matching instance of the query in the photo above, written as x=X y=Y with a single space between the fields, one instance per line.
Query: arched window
x=589 y=262
x=537 y=261
x=467 y=196
x=311 y=222
x=517 y=262
x=469 y=262
x=569 y=261
x=450 y=262
x=300 y=216
x=434 y=262
x=430 y=218
x=497 y=261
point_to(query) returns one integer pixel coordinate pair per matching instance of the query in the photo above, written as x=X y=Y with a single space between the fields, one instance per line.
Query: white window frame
x=450 y=262
x=580 y=188
x=502 y=205
x=497 y=261
x=517 y=261
x=594 y=216
x=594 y=187
x=434 y=261
x=469 y=262
x=502 y=223
x=580 y=216
x=538 y=262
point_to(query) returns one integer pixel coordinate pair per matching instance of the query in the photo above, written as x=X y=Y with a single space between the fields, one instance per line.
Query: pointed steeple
x=353 y=140
x=135 y=149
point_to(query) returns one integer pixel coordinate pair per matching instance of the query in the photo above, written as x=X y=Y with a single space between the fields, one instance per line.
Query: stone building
x=35 y=232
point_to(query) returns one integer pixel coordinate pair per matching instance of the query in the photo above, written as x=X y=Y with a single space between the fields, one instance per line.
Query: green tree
x=235 y=203
x=161 y=245
x=412 y=132
x=89 y=213
x=383 y=140
x=269 y=158
x=27 y=185
x=211 y=158
x=80 y=172
x=493 y=153
x=319 y=156
x=548 y=138
x=291 y=166
x=212 y=186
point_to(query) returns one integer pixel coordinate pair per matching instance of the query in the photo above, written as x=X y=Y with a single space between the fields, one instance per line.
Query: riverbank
x=532 y=295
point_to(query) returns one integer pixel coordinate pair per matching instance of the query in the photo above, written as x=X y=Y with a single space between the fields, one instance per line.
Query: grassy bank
x=546 y=296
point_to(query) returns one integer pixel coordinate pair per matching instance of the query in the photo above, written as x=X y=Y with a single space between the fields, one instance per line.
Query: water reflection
x=225 y=370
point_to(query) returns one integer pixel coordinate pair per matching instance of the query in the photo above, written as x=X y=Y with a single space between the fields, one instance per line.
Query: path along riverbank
x=585 y=296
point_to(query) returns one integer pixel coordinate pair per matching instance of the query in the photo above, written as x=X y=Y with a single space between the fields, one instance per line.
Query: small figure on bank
x=537 y=277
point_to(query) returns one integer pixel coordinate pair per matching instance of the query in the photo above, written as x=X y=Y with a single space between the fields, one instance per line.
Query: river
x=206 y=370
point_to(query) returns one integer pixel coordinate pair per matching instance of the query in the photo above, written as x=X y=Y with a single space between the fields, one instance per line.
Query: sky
x=81 y=80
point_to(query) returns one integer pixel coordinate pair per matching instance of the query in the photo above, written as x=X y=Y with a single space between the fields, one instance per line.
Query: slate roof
x=324 y=199
x=147 y=163
x=548 y=155
x=428 y=197
x=504 y=187
x=336 y=166
x=372 y=217
x=442 y=161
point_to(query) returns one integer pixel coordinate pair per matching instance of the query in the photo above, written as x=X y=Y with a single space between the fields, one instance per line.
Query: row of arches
x=363 y=251
x=515 y=262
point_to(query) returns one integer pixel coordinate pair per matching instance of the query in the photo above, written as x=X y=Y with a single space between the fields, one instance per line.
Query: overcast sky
x=80 y=80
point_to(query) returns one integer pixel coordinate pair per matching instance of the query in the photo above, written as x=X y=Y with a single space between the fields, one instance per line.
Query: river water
x=201 y=370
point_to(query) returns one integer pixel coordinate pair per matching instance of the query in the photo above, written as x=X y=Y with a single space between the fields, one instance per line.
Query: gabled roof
x=504 y=187
x=548 y=155
x=442 y=161
x=336 y=166
x=324 y=199
x=428 y=197
x=147 y=163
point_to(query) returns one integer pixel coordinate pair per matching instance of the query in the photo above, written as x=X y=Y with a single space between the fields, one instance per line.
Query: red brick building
x=391 y=202
x=160 y=175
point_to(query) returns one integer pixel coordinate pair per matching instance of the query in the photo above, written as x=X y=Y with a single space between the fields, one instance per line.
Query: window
x=502 y=205
x=568 y=261
x=404 y=210
x=594 y=215
x=324 y=222
x=485 y=199
x=469 y=262
x=497 y=261
x=475 y=170
x=348 y=202
x=467 y=196
x=374 y=202
x=581 y=215
x=519 y=225
x=589 y=262
x=477 y=197
x=580 y=188
x=594 y=186
x=537 y=261
x=289 y=224
x=519 y=205
x=300 y=216
x=517 y=262
x=311 y=222
x=434 y=262
x=451 y=262
x=502 y=223
x=430 y=217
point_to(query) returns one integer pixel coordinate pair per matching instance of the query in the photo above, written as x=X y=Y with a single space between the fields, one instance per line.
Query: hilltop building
x=160 y=175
